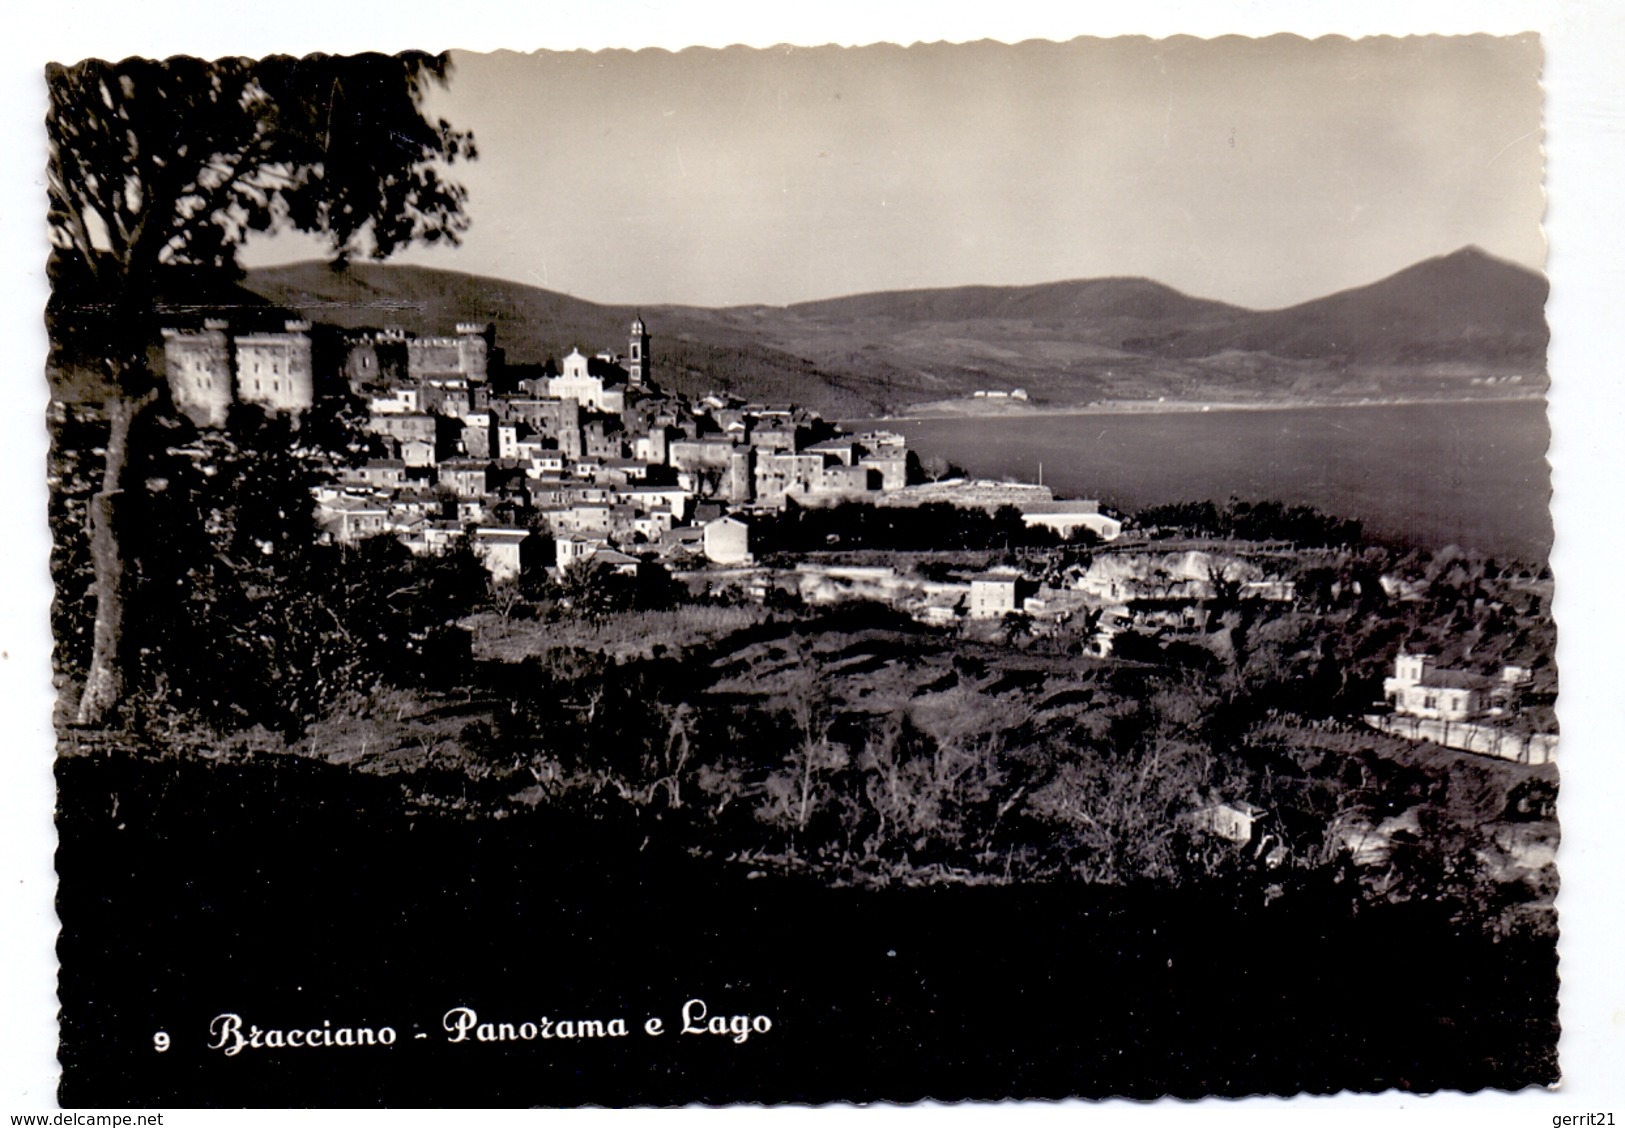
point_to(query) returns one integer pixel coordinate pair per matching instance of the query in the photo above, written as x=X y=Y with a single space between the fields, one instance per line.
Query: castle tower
x=474 y=349
x=638 y=354
x=197 y=365
x=274 y=369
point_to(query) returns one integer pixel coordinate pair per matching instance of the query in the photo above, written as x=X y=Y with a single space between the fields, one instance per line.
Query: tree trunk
x=806 y=784
x=104 y=682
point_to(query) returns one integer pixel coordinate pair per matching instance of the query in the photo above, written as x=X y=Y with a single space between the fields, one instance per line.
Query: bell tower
x=638 y=353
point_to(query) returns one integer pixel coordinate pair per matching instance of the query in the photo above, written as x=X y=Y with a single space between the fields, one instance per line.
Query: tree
x=158 y=166
x=1015 y=626
x=1123 y=812
x=592 y=589
x=935 y=468
x=799 y=787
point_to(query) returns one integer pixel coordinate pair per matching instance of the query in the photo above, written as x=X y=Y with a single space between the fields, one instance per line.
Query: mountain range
x=1448 y=326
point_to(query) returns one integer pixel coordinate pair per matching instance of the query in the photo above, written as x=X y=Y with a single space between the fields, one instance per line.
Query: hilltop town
x=591 y=464
x=799 y=648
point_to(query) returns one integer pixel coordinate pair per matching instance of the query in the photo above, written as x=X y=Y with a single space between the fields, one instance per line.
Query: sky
x=1261 y=172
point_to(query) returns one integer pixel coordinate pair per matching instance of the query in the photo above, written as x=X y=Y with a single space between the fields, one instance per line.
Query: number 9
x=160 y=1041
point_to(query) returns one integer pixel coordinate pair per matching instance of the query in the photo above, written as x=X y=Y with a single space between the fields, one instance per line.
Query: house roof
x=1455 y=679
x=350 y=504
x=494 y=532
x=1082 y=508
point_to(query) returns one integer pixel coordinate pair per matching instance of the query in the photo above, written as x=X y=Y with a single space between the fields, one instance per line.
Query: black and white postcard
x=803 y=574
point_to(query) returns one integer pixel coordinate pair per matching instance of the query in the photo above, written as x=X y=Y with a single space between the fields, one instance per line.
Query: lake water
x=1472 y=474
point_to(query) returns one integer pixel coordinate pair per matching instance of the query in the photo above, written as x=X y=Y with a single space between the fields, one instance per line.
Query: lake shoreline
x=1473 y=473
x=1002 y=409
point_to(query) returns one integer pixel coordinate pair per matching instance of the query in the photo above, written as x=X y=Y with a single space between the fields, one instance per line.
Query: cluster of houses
x=1161 y=596
x=591 y=462
x=595 y=463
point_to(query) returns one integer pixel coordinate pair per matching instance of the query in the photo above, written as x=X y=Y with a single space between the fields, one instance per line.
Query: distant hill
x=1431 y=329
x=1467 y=307
x=1425 y=331
x=694 y=350
x=1062 y=341
x=1086 y=303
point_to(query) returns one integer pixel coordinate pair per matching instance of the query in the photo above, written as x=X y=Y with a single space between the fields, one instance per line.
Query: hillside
x=1062 y=341
x=693 y=353
x=1431 y=330
x=1417 y=332
x=1465 y=307
x=1087 y=304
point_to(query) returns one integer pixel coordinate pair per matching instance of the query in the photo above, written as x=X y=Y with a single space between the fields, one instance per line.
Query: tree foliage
x=175 y=162
x=164 y=167
x=237 y=614
x=936 y=525
x=1254 y=521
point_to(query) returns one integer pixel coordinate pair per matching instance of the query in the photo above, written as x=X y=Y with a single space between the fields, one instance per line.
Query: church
x=606 y=388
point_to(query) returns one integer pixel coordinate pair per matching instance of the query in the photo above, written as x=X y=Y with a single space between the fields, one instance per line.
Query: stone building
x=404 y=426
x=197 y=363
x=374 y=358
x=508 y=553
x=209 y=369
x=637 y=357
x=993 y=595
x=274 y=369
x=727 y=541
x=464 y=357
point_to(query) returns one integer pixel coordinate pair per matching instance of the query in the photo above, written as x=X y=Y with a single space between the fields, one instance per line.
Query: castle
x=596 y=456
x=209 y=369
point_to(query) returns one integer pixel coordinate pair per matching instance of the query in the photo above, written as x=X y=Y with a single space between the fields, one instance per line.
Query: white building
x=578 y=383
x=1233 y=821
x=352 y=519
x=206 y=368
x=501 y=550
x=727 y=541
x=1066 y=517
x=993 y=596
x=274 y=370
x=1418 y=688
x=568 y=550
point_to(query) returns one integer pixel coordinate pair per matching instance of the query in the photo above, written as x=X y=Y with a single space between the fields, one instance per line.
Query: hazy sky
x=1261 y=172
